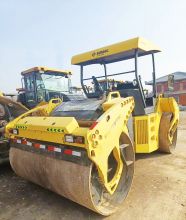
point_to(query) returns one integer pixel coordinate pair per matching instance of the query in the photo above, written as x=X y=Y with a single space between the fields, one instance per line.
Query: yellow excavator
x=85 y=150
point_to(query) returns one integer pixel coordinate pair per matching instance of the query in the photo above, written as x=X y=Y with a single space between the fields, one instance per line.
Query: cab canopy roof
x=47 y=70
x=116 y=52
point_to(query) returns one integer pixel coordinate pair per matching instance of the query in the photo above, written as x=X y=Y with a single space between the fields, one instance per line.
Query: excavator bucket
x=71 y=150
x=9 y=110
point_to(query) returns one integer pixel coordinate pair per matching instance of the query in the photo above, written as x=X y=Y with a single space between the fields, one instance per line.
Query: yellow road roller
x=85 y=149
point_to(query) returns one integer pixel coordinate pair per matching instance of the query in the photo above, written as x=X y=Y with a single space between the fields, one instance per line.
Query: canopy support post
x=105 y=70
x=154 y=76
x=138 y=80
x=81 y=79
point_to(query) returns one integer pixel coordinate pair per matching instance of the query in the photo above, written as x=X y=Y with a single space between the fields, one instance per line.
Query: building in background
x=179 y=90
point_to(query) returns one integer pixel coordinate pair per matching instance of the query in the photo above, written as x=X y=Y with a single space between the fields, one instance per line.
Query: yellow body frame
x=146 y=127
x=113 y=120
x=102 y=139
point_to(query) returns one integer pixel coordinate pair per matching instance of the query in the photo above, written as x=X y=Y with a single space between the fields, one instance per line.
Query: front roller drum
x=76 y=182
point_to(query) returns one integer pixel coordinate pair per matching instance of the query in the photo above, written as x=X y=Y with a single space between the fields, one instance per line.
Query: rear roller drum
x=165 y=145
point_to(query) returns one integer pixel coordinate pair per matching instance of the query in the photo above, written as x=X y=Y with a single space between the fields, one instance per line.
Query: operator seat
x=139 y=108
x=128 y=89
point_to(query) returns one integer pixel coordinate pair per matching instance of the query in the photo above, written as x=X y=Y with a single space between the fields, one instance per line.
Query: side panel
x=146 y=130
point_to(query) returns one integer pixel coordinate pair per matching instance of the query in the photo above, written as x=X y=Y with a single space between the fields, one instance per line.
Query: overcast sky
x=50 y=32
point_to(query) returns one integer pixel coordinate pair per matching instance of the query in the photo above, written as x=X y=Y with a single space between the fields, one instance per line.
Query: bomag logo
x=100 y=53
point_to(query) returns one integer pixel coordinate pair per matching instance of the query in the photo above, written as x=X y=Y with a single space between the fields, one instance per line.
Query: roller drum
x=74 y=181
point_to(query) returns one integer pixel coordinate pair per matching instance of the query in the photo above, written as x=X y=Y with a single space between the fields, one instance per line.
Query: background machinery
x=84 y=150
x=9 y=110
x=40 y=84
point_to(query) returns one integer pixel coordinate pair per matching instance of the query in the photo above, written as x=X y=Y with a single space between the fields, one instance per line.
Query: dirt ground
x=158 y=192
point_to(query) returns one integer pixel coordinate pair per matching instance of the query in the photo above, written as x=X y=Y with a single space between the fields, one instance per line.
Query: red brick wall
x=183 y=85
x=178 y=86
x=159 y=88
x=182 y=99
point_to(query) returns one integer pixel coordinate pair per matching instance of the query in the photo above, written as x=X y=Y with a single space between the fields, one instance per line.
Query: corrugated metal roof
x=177 y=76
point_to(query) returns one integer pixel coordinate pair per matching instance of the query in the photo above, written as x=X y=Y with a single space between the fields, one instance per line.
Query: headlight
x=15 y=131
x=69 y=138
x=74 y=139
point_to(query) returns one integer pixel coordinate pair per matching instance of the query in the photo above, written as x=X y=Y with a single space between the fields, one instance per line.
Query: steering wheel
x=98 y=89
